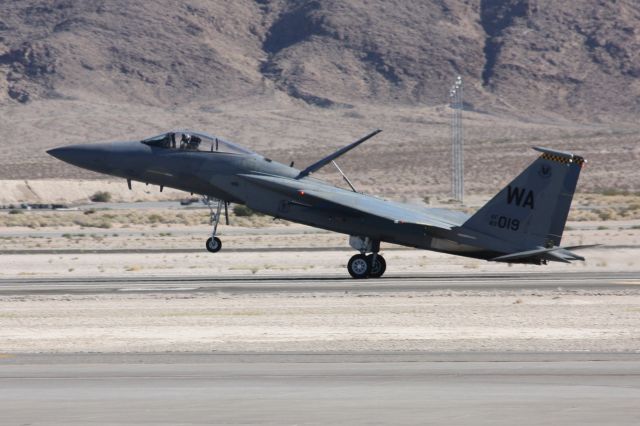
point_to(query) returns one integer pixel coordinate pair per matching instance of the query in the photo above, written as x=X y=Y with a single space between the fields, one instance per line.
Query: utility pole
x=457 y=158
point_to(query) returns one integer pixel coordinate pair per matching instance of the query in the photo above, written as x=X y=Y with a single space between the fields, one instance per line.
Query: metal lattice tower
x=457 y=145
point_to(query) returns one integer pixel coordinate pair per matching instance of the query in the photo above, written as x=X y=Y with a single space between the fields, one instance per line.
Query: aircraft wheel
x=377 y=268
x=358 y=266
x=214 y=244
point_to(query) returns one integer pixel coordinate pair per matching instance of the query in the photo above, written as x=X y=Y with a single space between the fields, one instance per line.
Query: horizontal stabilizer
x=558 y=254
x=326 y=160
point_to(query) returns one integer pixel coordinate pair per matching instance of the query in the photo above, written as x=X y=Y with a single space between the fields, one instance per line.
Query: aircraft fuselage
x=523 y=223
x=220 y=175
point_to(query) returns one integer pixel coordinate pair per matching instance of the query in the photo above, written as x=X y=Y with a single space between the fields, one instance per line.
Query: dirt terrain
x=318 y=322
x=410 y=159
x=140 y=318
x=296 y=80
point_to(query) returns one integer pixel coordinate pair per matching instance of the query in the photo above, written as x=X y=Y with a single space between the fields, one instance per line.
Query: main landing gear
x=366 y=266
x=213 y=243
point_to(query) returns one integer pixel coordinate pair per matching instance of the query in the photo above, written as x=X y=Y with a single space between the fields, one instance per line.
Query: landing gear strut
x=363 y=265
x=214 y=244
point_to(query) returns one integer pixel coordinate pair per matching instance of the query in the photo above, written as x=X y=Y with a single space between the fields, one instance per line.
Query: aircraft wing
x=326 y=197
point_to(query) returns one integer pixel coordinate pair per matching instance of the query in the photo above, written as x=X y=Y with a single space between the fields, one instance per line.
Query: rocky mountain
x=528 y=58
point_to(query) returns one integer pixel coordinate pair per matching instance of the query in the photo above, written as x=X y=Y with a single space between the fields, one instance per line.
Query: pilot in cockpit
x=190 y=142
x=185 y=141
x=194 y=142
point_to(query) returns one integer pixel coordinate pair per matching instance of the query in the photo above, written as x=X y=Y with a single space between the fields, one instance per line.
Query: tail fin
x=532 y=210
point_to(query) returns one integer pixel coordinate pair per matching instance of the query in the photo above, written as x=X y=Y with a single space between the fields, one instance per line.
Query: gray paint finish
x=524 y=220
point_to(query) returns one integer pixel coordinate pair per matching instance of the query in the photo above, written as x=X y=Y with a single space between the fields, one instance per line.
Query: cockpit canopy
x=194 y=141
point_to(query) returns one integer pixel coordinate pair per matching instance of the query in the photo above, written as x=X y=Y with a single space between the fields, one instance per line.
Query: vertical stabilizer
x=532 y=210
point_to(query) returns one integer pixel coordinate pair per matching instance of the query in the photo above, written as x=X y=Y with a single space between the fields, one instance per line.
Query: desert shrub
x=243 y=211
x=15 y=211
x=101 y=197
x=609 y=192
x=155 y=218
x=604 y=214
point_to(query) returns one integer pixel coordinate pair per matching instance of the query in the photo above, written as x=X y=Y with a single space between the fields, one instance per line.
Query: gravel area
x=502 y=320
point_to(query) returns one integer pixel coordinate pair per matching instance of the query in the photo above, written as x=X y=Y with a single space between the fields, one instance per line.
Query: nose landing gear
x=214 y=244
x=363 y=265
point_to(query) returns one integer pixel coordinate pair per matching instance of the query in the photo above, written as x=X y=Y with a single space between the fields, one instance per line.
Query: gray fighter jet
x=523 y=223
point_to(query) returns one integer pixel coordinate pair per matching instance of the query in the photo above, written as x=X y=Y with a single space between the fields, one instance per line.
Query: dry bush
x=101 y=197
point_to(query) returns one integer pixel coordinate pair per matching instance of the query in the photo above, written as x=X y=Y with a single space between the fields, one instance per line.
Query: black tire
x=377 y=269
x=358 y=266
x=214 y=244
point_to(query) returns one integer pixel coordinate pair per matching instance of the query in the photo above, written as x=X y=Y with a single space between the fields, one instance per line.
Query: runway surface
x=609 y=281
x=405 y=388
x=358 y=388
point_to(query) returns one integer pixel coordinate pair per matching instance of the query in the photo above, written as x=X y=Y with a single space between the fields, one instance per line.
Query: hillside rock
x=528 y=58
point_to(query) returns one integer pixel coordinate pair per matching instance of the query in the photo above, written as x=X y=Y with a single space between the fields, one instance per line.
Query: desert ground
x=322 y=321
x=143 y=233
x=114 y=312
x=409 y=160
x=142 y=240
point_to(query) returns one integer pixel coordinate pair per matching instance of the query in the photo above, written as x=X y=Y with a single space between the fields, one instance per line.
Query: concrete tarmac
x=606 y=281
x=318 y=389
x=322 y=388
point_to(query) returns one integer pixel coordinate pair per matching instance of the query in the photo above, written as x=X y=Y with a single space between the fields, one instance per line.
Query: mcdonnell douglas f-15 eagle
x=523 y=223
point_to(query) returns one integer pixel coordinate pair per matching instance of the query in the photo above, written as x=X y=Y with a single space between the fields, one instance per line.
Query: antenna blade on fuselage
x=320 y=164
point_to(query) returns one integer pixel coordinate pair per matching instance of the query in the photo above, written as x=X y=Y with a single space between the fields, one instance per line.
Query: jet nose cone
x=73 y=154
x=61 y=153
x=90 y=156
